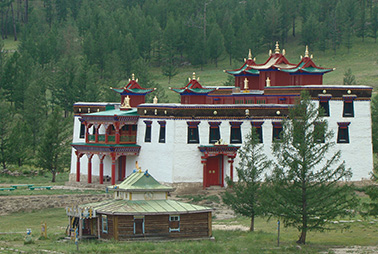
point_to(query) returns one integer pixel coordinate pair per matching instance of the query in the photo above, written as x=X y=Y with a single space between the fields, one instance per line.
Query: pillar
x=113 y=168
x=90 y=168
x=231 y=161
x=78 y=155
x=117 y=134
x=102 y=169
x=96 y=132
x=203 y=161
x=87 y=126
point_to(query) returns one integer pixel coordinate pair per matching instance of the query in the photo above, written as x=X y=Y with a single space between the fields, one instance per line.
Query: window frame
x=277 y=129
x=258 y=127
x=193 y=133
x=324 y=103
x=104 y=223
x=348 y=106
x=214 y=132
x=343 y=133
x=172 y=220
x=236 y=127
x=162 y=131
x=148 y=132
x=82 y=130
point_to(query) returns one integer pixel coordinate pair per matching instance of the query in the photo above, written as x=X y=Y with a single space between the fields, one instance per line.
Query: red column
x=203 y=161
x=87 y=126
x=78 y=165
x=102 y=169
x=231 y=161
x=113 y=168
x=90 y=168
x=117 y=135
x=96 y=133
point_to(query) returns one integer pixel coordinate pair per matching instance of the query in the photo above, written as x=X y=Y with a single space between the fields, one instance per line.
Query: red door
x=214 y=171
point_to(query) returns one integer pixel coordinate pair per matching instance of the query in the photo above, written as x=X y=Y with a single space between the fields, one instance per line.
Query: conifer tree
x=305 y=188
x=245 y=196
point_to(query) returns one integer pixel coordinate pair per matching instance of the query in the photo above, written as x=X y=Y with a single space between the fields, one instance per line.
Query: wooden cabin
x=140 y=208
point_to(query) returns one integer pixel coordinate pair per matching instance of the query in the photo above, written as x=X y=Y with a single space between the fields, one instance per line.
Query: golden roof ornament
x=270 y=52
x=277 y=50
x=155 y=100
x=306 y=52
x=194 y=76
x=132 y=76
x=136 y=80
x=283 y=52
x=249 y=55
x=245 y=84
x=267 y=81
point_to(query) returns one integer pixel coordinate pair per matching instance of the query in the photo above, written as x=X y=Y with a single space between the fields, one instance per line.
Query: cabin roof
x=144 y=207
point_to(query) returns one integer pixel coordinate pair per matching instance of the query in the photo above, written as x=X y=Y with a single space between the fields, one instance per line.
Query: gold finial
x=198 y=78
x=245 y=60
x=301 y=57
x=245 y=84
x=306 y=52
x=132 y=76
x=267 y=81
x=249 y=55
x=312 y=56
x=283 y=52
x=270 y=52
x=194 y=75
x=277 y=50
x=155 y=100
x=126 y=103
x=254 y=59
x=136 y=80
x=189 y=79
x=129 y=80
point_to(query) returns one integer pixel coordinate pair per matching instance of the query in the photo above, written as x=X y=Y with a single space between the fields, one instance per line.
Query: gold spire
x=270 y=52
x=306 y=52
x=249 y=55
x=277 y=50
x=194 y=75
x=283 y=52
x=132 y=76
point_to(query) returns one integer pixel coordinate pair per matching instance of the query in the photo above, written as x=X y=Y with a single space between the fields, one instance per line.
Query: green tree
x=245 y=196
x=305 y=190
x=54 y=150
x=215 y=44
x=349 y=78
x=5 y=115
x=374 y=121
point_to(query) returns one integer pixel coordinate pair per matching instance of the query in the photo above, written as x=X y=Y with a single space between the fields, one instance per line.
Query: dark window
x=319 y=132
x=82 y=131
x=214 y=132
x=147 y=136
x=162 y=132
x=104 y=223
x=348 y=109
x=174 y=223
x=343 y=133
x=236 y=137
x=93 y=130
x=277 y=129
x=325 y=106
x=258 y=128
x=193 y=135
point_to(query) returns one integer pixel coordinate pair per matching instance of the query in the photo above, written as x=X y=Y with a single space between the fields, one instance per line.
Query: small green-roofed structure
x=140 y=209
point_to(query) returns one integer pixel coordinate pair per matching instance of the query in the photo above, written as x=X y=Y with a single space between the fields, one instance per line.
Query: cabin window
x=348 y=108
x=343 y=133
x=324 y=104
x=174 y=223
x=162 y=131
x=82 y=131
x=259 y=131
x=235 y=137
x=193 y=134
x=319 y=132
x=277 y=129
x=214 y=132
x=138 y=225
x=147 y=136
x=104 y=219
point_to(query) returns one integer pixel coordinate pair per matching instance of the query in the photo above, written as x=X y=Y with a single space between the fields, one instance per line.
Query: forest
x=74 y=50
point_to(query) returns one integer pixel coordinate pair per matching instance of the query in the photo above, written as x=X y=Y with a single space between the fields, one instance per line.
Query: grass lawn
x=264 y=240
x=41 y=180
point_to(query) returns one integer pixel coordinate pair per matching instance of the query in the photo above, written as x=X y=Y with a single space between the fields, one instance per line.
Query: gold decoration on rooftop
x=133 y=76
x=270 y=52
x=306 y=52
x=283 y=52
x=249 y=55
x=267 y=81
x=245 y=84
x=194 y=76
x=277 y=49
x=155 y=100
x=126 y=103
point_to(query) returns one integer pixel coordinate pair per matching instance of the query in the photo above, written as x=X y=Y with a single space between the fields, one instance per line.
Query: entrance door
x=138 y=226
x=214 y=170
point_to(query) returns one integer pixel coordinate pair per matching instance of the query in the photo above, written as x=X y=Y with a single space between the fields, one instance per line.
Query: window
x=319 y=132
x=235 y=137
x=138 y=225
x=214 y=132
x=174 y=223
x=162 y=131
x=324 y=104
x=258 y=128
x=82 y=130
x=277 y=129
x=193 y=135
x=147 y=136
x=343 y=132
x=348 y=110
x=104 y=223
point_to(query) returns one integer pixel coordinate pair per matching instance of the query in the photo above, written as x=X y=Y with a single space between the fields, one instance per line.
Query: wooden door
x=138 y=226
x=214 y=170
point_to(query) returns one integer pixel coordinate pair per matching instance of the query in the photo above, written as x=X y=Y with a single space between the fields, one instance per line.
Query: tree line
x=73 y=50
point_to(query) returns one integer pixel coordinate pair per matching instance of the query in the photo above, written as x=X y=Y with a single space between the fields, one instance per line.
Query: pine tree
x=245 y=196
x=305 y=190
x=349 y=78
x=215 y=44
